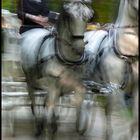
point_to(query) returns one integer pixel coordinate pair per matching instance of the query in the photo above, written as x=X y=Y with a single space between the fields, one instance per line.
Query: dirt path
x=24 y=126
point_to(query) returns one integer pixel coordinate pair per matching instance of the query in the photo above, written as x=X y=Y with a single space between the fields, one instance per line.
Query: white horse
x=112 y=59
x=52 y=60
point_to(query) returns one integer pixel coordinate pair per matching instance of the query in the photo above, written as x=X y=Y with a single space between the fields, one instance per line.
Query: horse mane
x=78 y=9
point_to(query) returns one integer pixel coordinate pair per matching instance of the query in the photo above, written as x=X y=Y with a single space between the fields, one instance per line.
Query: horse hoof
x=32 y=108
x=39 y=130
x=38 y=134
x=57 y=117
x=54 y=128
x=81 y=132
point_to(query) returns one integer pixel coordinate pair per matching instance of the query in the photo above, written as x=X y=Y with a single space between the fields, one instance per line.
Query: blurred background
x=17 y=120
x=105 y=10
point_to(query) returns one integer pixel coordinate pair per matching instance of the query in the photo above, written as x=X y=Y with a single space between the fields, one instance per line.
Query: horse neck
x=71 y=27
x=124 y=19
x=65 y=42
x=127 y=36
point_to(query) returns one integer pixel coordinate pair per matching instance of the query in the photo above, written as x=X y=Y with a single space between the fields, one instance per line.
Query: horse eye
x=86 y=42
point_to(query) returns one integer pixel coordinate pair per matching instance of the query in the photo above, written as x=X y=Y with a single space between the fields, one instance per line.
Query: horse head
x=71 y=27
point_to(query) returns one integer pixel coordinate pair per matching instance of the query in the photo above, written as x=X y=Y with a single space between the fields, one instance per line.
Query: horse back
x=31 y=41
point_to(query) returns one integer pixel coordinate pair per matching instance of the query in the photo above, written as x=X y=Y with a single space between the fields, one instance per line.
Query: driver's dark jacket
x=34 y=7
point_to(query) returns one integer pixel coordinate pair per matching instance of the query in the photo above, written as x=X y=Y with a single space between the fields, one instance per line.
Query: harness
x=62 y=58
x=128 y=68
x=128 y=59
x=58 y=53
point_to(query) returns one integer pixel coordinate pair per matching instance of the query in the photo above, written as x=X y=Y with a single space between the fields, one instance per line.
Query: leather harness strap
x=129 y=59
x=58 y=52
x=62 y=58
x=78 y=36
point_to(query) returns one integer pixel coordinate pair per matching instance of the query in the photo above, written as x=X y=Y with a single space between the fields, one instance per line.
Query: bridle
x=58 y=44
x=58 y=48
x=58 y=52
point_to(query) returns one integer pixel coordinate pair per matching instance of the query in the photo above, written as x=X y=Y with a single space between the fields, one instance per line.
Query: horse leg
x=134 y=124
x=37 y=111
x=30 y=88
x=40 y=117
x=85 y=117
x=32 y=97
x=82 y=113
x=109 y=130
x=71 y=83
x=51 y=116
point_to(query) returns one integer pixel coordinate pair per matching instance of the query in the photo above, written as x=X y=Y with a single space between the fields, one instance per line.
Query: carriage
x=74 y=70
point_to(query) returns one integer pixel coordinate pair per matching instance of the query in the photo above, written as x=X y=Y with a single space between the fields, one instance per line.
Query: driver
x=33 y=14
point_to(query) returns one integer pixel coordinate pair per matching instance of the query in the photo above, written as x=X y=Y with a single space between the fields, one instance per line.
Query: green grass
x=10 y=5
x=124 y=112
x=127 y=113
x=105 y=10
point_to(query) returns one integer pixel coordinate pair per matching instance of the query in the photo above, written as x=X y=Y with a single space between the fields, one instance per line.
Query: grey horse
x=112 y=60
x=51 y=61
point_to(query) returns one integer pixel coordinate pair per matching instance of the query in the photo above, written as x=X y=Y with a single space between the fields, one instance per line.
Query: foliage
x=55 y=5
x=105 y=10
x=9 y=5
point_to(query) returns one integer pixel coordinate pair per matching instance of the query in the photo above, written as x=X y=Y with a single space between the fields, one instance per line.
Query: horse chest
x=53 y=68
